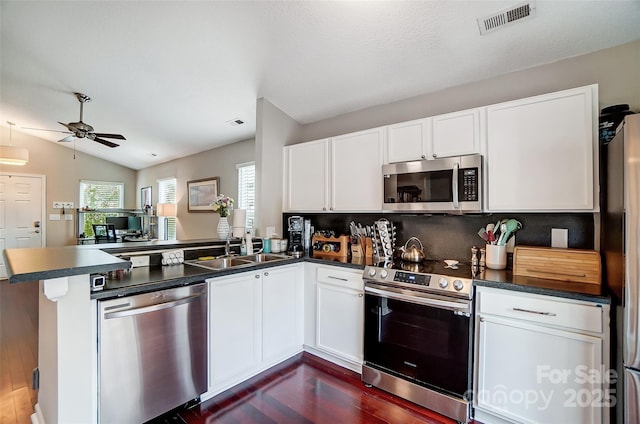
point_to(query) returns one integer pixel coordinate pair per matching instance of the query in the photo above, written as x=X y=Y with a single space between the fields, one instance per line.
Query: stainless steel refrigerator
x=620 y=245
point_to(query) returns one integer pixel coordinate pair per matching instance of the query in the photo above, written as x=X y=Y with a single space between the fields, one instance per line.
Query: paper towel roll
x=239 y=221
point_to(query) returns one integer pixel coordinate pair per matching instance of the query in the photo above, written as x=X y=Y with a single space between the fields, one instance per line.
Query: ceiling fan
x=81 y=130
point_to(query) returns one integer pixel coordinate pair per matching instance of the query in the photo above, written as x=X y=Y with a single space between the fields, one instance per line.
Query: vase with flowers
x=223 y=205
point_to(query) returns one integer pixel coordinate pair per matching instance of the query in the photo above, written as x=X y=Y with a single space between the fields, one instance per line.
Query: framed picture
x=202 y=193
x=145 y=198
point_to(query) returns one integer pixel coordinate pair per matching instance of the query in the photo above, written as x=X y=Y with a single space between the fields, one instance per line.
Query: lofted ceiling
x=170 y=74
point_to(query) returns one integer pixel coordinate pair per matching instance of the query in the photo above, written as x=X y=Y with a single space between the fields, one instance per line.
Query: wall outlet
x=68 y=205
x=62 y=205
x=560 y=237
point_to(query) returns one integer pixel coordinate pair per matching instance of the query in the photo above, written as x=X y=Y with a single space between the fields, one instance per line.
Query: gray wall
x=616 y=71
x=219 y=162
x=63 y=174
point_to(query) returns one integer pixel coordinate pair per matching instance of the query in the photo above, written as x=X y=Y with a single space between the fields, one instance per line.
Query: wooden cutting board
x=578 y=265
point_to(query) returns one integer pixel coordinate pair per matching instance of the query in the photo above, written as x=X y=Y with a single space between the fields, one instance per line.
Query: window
x=98 y=195
x=247 y=190
x=167 y=194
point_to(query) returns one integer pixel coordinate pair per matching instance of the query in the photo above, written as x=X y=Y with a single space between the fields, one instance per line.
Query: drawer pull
x=337 y=278
x=544 y=271
x=549 y=314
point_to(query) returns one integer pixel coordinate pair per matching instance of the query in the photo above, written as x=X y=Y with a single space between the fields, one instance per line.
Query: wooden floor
x=18 y=350
x=304 y=389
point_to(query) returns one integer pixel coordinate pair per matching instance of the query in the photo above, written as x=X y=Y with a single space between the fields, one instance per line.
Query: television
x=119 y=222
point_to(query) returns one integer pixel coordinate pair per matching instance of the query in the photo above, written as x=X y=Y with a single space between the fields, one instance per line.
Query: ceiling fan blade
x=105 y=135
x=67 y=139
x=67 y=126
x=105 y=142
x=43 y=129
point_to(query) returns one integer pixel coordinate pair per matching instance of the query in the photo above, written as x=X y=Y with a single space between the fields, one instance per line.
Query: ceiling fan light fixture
x=13 y=155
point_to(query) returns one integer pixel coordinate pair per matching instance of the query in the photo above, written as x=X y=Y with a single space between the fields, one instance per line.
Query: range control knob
x=458 y=285
x=372 y=272
x=443 y=283
x=383 y=273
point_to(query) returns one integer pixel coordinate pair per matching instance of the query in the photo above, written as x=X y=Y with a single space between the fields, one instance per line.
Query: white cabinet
x=356 y=177
x=235 y=333
x=539 y=359
x=340 y=313
x=256 y=321
x=282 y=308
x=408 y=141
x=338 y=174
x=307 y=176
x=457 y=133
x=542 y=152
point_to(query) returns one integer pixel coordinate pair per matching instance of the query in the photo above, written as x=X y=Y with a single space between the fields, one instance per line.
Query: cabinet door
x=540 y=152
x=456 y=134
x=339 y=321
x=356 y=183
x=534 y=374
x=407 y=141
x=235 y=331
x=281 y=313
x=307 y=176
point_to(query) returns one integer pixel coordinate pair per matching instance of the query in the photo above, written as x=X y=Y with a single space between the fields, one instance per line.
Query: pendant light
x=12 y=155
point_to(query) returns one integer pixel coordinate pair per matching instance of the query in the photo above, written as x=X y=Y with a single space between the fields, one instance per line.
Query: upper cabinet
x=338 y=174
x=457 y=133
x=408 y=141
x=542 y=153
x=307 y=176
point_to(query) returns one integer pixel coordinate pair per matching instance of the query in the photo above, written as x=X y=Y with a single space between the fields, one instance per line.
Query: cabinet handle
x=266 y=274
x=324 y=209
x=360 y=294
x=481 y=319
x=331 y=208
x=549 y=314
x=256 y=276
x=435 y=156
x=337 y=278
x=423 y=157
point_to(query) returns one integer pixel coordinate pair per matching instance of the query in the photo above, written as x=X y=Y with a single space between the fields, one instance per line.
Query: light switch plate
x=68 y=217
x=54 y=217
x=560 y=237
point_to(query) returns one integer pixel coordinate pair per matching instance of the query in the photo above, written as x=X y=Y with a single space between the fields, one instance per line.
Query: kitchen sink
x=266 y=257
x=222 y=263
x=237 y=261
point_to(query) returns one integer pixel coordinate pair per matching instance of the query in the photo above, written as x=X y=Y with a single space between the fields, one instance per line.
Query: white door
x=21 y=211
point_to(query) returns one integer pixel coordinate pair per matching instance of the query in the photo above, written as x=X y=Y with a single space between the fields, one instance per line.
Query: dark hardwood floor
x=18 y=350
x=304 y=389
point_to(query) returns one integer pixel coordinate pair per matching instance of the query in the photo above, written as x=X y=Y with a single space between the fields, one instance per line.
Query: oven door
x=426 y=340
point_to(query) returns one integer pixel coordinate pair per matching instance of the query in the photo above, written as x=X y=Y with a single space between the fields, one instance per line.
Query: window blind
x=167 y=194
x=247 y=190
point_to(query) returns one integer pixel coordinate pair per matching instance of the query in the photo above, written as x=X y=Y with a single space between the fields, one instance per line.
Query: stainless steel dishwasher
x=152 y=353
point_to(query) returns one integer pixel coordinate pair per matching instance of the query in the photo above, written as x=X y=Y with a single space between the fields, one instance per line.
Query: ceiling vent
x=507 y=16
x=235 y=122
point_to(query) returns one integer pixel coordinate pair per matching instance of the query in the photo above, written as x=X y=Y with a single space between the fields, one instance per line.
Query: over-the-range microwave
x=444 y=185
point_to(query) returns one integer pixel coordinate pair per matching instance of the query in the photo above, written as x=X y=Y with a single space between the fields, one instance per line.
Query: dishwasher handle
x=153 y=308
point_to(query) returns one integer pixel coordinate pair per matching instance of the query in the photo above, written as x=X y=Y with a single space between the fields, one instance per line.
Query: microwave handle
x=454 y=186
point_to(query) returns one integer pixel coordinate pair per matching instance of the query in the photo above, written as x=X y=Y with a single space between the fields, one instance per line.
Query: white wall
x=274 y=130
x=615 y=69
x=219 y=162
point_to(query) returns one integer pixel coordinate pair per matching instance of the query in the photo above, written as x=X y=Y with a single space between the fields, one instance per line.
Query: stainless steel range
x=418 y=334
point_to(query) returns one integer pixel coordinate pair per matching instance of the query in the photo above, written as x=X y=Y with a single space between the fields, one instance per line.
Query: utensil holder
x=496 y=256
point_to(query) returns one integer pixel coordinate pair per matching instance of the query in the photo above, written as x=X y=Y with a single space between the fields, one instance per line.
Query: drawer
x=544 y=310
x=340 y=277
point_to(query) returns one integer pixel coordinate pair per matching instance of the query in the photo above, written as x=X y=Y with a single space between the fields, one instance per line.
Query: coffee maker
x=296 y=232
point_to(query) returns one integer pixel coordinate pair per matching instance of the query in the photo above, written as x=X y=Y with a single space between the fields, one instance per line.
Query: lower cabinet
x=255 y=322
x=540 y=359
x=337 y=296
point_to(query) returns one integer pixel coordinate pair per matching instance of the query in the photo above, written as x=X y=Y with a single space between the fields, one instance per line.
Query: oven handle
x=457 y=307
x=454 y=186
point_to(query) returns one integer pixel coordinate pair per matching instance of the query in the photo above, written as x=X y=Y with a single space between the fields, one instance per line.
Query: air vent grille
x=235 y=122
x=507 y=16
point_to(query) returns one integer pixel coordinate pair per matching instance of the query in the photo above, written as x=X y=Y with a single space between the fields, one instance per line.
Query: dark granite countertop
x=569 y=290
